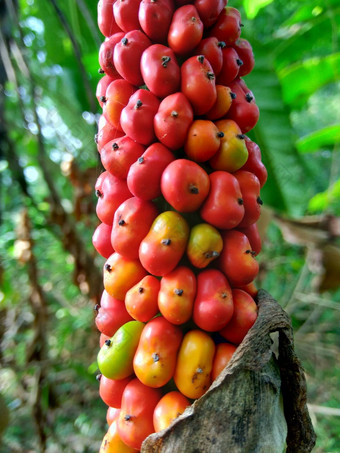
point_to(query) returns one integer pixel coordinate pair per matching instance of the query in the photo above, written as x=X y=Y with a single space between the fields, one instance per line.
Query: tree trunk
x=257 y=404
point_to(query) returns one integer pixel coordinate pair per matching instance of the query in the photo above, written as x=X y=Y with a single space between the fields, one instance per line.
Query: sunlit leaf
x=326 y=137
x=301 y=80
x=311 y=10
x=323 y=200
x=252 y=7
x=321 y=33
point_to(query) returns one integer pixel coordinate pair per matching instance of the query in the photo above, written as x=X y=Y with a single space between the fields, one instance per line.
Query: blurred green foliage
x=296 y=83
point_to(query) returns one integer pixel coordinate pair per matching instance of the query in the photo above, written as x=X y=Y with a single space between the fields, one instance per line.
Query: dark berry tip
x=249 y=97
x=165 y=61
x=194 y=190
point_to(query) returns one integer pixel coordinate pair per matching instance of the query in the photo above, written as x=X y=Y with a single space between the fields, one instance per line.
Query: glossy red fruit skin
x=118 y=94
x=172 y=120
x=223 y=354
x=126 y=14
x=239 y=87
x=106 y=55
x=211 y=48
x=155 y=18
x=106 y=22
x=213 y=306
x=106 y=133
x=245 y=113
x=165 y=244
x=237 y=260
x=227 y=27
x=209 y=10
x=102 y=85
x=243 y=110
x=131 y=223
x=230 y=67
x=112 y=414
x=155 y=358
x=101 y=240
x=111 y=390
x=198 y=84
x=127 y=55
x=245 y=52
x=111 y=315
x=111 y=192
x=254 y=163
x=102 y=339
x=253 y=235
x=118 y=155
x=203 y=140
x=120 y=274
x=141 y=300
x=144 y=177
x=250 y=189
x=160 y=70
x=223 y=207
x=176 y=295
x=170 y=406
x=185 y=185
x=244 y=317
x=135 y=420
x=251 y=289
x=138 y=116
x=186 y=30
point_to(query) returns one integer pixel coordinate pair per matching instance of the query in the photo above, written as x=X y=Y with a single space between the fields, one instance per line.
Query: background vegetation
x=50 y=275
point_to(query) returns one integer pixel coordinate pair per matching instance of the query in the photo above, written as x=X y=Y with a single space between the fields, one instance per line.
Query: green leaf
x=323 y=32
x=311 y=10
x=301 y=80
x=274 y=135
x=324 y=200
x=252 y=7
x=326 y=137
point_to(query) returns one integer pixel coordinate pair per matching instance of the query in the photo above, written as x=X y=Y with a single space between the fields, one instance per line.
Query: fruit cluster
x=178 y=201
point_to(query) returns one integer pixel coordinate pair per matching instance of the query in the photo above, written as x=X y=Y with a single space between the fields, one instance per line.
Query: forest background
x=50 y=274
